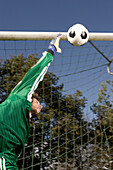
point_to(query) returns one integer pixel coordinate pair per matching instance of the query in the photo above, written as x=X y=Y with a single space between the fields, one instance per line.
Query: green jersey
x=15 y=111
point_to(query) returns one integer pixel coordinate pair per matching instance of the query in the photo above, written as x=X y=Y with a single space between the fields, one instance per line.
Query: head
x=36 y=106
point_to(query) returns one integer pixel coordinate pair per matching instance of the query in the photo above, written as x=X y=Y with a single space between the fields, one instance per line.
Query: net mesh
x=75 y=128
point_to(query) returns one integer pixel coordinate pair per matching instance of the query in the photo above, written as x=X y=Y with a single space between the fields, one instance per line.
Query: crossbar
x=17 y=35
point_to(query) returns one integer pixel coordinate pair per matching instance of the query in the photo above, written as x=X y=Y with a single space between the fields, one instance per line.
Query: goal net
x=75 y=128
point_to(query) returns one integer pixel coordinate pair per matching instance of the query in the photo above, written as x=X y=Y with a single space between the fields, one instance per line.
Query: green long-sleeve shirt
x=14 y=111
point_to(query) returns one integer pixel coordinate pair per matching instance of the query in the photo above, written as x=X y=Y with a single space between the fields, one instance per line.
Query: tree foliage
x=59 y=136
x=102 y=131
x=104 y=113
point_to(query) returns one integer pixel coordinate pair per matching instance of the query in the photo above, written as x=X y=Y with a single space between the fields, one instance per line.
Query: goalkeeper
x=16 y=110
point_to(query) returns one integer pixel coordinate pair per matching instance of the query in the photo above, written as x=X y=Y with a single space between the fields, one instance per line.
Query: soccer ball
x=78 y=35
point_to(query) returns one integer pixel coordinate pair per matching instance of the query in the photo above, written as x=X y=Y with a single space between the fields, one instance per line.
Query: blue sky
x=42 y=15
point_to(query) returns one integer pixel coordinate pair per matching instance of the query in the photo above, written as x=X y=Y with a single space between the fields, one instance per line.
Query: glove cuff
x=53 y=48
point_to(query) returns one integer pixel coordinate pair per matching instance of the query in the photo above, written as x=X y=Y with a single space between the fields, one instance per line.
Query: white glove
x=55 y=43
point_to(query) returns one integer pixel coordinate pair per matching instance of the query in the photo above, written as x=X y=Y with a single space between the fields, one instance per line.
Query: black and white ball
x=78 y=35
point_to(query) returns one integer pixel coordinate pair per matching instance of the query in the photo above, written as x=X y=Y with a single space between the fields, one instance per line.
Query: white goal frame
x=18 y=35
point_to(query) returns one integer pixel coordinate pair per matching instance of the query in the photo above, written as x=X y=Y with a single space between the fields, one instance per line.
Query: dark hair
x=36 y=96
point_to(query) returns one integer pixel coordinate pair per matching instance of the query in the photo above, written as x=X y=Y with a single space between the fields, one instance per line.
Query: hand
x=55 y=43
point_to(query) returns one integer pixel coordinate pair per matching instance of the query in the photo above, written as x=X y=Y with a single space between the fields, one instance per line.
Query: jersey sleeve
x=29 y=83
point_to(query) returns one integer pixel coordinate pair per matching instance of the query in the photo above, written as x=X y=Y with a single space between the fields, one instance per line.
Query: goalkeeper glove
x=54 y=44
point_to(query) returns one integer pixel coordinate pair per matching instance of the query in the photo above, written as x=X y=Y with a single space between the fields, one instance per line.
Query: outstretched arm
x=30 y=82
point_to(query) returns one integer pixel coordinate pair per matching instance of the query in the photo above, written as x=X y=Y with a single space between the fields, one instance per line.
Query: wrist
x=50 y=51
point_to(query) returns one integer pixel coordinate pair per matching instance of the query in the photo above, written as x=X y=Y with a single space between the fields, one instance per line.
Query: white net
x=75 y=129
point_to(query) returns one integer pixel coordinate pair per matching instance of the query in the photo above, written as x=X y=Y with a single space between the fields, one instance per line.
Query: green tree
x=102 y=131
x=104 y=113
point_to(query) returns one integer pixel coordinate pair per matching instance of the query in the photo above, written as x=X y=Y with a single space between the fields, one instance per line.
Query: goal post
x=75 y=128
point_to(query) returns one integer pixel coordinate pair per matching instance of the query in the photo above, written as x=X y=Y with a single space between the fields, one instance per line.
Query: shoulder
x=16 y=101
x=13 y=106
